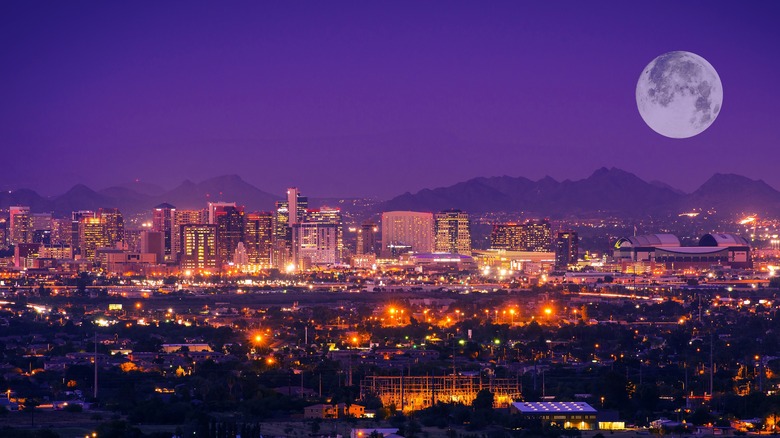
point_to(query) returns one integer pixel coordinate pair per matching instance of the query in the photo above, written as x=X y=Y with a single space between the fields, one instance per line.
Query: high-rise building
x=297 y=205
x=132 y=241
x=114 y=224
x=3 y=233
x=162 y=221
x=92 y=235
x=61 y=234
x=509 y=237
x=240 y=256
x=75 y=234
x=406 y=231
x=229 y=220
x=281 y=252
x=316 y=243
x=214 y=206
x=452 y=232
x=199 y=247
x=366 y=239
x=153 y=242
x=318 y=239
x=538 y=236
x=181 y=218
x=258 y=237
x=41 y=221
x=566 y=248
x=20 y=230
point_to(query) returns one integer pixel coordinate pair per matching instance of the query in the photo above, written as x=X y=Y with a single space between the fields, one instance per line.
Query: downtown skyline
x=371 y=100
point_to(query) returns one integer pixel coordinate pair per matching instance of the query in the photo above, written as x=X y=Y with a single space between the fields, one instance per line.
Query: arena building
x=665 y=249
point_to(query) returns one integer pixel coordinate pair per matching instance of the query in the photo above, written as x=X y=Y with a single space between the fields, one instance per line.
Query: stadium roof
x=718 y=239
x=657 y=240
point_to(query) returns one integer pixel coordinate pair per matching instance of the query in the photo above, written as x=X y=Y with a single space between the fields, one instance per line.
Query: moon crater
x=679 y=94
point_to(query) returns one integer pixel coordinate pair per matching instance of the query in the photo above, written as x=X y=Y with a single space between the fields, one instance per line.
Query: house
x=341 y=410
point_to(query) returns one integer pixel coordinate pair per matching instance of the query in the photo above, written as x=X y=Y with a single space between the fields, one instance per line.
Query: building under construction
x=411 y=393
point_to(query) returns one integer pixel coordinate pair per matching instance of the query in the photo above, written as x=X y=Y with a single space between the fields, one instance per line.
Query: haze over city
x=435 y=219
x=371 y=99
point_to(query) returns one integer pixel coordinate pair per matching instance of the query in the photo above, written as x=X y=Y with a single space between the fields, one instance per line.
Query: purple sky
x=372 y=98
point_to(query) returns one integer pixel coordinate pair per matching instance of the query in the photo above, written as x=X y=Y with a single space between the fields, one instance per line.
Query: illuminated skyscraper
x=452 y=232
x=318 y=239
x=199 y=247
x=20 y=230
x=92 y=235
x=214 y=206
x=230 y=230
x=510 y=237
x=61 y=232
x=162 y=221
x=566 y=249
x=3 y=233
x=538 y=236
x=366 y=239
x=406 y=231
x=41 y=221
x=181 y=218
x=281 y=252
x=316 y=243
x=75 y=223
x=114 y=225
x=258 y=237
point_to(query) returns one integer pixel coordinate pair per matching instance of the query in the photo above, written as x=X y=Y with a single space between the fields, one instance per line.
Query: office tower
x=297 y=205
x=406 y=231
x=3 y=233
x=114 y=225
x=41 y=221
x=199 y=246
x=366 y=239
x=213 y=207
x=566 y=248
x=319 y=238
x=153 y=242
x=281 y=252
x=162 y=221
x=229 y=220
x=61 y=232
x=75 y=221
x=132 y=241
x=258 y=237
x=92 y=235
x=538 y=236
x=41 y=237
x=316 y=243
x=509 y=237
x=329 y=215
x=181 y=218
x=19 y=219
x=281 y=248
x=452 y=232
x=240 y=256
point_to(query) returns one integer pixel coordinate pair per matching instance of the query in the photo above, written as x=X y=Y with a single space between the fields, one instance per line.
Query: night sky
x=372 y=98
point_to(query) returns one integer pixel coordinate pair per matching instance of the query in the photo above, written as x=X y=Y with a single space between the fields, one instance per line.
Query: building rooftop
x=554 y=407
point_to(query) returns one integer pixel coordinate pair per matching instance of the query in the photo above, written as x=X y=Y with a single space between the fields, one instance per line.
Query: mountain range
x=606 y=191
x=138 y=197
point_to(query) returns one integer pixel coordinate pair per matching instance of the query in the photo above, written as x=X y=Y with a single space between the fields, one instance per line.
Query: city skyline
x=373 y=95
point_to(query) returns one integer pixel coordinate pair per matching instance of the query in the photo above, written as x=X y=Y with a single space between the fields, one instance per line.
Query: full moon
x=679 y=94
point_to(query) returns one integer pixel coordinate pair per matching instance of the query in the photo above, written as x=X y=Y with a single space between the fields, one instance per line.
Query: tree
x=29 y=406
x=483 y=400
